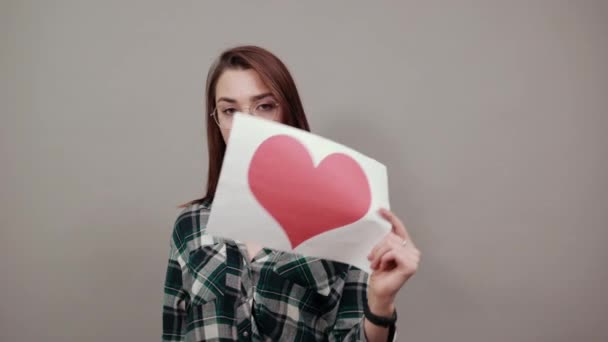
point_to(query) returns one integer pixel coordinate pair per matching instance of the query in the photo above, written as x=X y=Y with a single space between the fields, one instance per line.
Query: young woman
x=224 y=290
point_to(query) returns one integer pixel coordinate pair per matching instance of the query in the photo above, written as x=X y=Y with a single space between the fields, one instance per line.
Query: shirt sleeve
x=175 y=298
x=349 y=319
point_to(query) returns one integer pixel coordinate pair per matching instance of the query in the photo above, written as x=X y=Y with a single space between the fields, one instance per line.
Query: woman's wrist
x=379 y=317
x=385 y=310
x=381 y=306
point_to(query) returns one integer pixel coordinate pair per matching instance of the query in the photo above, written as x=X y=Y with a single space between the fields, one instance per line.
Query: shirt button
x=245 y=334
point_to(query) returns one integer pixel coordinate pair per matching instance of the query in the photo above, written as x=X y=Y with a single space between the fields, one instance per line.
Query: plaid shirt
x=214 y=293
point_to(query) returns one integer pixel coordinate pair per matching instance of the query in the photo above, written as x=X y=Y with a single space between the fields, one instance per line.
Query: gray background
x=490 y=116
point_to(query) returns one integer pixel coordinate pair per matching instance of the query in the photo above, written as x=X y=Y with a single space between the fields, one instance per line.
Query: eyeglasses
x=265 y=109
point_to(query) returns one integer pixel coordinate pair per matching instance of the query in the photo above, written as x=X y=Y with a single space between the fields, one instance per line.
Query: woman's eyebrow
x=253 y=98
x=261 y=96
x=227 y=99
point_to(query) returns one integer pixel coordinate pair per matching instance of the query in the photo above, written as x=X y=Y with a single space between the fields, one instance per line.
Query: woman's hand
x=392 y=264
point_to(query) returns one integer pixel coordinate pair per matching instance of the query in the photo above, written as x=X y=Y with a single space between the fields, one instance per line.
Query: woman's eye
x=228 y=111
x=266 y=107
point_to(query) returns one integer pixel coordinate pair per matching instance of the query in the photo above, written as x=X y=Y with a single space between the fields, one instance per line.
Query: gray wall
x=490 y=116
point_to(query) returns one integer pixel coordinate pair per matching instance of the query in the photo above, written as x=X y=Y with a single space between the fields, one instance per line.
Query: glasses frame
x=216 y=118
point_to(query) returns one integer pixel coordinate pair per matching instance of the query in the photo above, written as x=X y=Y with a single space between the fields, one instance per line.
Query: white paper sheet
x=291 y=190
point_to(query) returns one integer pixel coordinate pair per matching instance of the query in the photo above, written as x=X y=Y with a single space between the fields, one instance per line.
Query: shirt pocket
x=311 y=301
x=207 y=266
x=207 y=319
x=288 y=308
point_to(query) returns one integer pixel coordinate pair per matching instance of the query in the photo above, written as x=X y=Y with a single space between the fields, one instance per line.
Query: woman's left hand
x=392 y=264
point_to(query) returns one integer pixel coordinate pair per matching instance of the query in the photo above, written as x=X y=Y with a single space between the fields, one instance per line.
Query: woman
x=223 y=290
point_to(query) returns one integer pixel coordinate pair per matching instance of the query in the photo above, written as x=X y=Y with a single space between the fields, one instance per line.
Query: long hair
x=275 y=76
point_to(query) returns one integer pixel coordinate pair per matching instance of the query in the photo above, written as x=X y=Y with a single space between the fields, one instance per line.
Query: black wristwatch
x=379 y=320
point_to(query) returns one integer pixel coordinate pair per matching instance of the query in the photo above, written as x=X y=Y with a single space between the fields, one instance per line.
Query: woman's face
x=243 y=91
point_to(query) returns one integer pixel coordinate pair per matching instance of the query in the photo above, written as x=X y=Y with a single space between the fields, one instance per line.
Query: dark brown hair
x=275 y=76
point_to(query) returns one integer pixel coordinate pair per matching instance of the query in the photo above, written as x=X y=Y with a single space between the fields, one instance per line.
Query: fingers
x=391 y=246
x=407 y=260
x=388 y=260
x=407 y=263
x=391 y=250
x=389 y=236
x=398 y=227
x=391 y=241
x=379 y=245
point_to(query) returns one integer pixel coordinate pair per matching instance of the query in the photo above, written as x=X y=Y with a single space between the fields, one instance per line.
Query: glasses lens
x=223 y=117
x=214 y=115
x=266 y=109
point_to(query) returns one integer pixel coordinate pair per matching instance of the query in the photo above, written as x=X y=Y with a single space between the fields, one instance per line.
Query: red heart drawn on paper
x=304 y=199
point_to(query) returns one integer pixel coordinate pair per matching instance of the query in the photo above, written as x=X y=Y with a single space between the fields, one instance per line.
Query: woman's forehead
x=240 y=85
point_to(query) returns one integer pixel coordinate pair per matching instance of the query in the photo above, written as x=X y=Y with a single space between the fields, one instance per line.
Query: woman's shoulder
x=190 y=224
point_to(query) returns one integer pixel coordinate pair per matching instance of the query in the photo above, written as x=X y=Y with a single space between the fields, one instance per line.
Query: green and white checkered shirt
x=213 y=293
